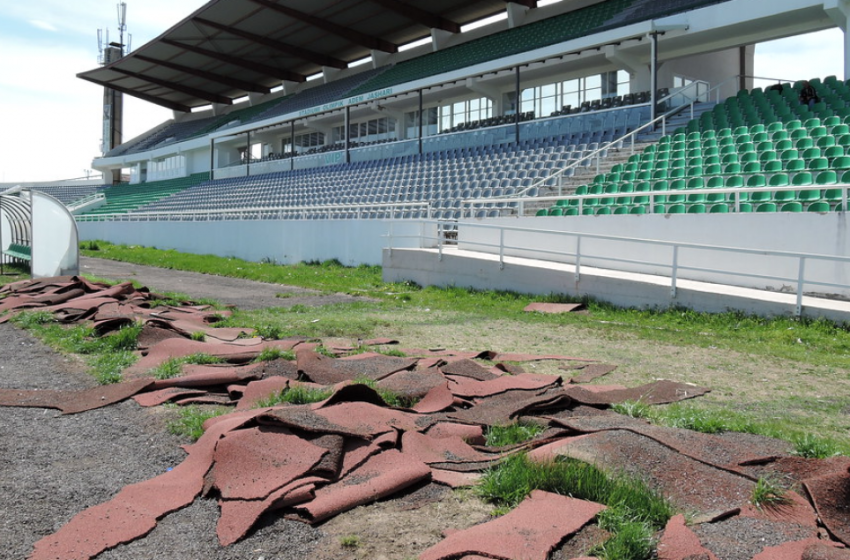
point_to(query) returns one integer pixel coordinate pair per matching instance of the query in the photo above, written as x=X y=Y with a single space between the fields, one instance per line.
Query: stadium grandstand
x=622 y=149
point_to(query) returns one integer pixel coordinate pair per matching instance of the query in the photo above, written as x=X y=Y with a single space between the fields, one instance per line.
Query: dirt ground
x=53 y=466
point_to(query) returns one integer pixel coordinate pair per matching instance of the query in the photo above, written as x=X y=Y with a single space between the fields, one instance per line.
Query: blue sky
x=50 y=119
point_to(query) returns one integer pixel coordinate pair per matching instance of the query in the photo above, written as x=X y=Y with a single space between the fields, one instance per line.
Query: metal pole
x=653 y=76
x=800 y=275
x=421 y=127
x=292 y=145
x=517 y=106
x=347 y=133
x=578 y=258
x=675 y=271
x=501 y=248
x=248 y=156
x=212 y=159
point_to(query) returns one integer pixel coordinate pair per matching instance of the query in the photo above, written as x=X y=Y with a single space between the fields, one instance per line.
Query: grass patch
x=390 y=397
x=804 y=340
x=634 y=514
x=295 y=394
x=713 y=421
x=107 y=356
x=272 y=354
x=190 y=420
x=349 y=541
x=512 y=434
x=173 y=367
x=767 y=493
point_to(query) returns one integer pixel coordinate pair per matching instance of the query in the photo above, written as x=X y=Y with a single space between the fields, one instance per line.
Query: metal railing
x=673 y=265
x=599 y=154
x=331 y=211
x=85 y=200
x=736 y=198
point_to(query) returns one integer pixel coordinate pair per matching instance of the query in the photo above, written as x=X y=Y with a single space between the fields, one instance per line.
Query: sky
x=50 y=119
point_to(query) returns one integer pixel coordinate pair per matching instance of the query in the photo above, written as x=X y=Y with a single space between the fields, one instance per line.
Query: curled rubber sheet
x=530 y=531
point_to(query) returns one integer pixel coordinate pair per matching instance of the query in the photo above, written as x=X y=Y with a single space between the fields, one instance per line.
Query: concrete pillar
x=839 y=12
x=516 y=14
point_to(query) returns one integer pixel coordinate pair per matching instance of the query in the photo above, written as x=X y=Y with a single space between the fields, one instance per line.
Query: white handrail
x=800 y=280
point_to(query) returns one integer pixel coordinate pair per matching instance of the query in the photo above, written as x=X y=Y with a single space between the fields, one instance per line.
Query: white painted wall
x=808 y=233
x=353 y=242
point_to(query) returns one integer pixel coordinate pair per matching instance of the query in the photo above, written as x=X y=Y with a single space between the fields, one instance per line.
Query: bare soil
x=53 y=466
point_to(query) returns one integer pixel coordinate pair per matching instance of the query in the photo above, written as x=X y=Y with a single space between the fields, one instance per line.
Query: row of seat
x=681 y=208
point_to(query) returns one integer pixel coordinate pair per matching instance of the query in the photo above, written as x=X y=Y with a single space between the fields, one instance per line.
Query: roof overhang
x=230 y=48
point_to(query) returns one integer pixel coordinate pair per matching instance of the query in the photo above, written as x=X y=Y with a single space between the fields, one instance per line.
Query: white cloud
x=46 y=26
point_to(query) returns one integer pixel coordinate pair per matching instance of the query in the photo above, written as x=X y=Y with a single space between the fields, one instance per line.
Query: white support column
x=440 y=39
x=329 y=74
x=839 y=12
x=255 y=98
x=380 y=58
x=289 y=87
x=516 y=14
x=490 y=92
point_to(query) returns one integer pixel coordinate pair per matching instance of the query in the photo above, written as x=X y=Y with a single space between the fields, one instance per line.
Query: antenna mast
x=113 y=101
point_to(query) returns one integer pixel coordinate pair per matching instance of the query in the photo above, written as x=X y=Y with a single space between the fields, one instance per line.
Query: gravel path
x=244 y=294
x=54 y=466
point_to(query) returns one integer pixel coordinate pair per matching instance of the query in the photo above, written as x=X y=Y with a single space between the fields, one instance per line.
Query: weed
x=269 y=332
x=107 y=368
x=349 y=541
x=190 y=420
x=767 y=493
x=634 y=511
x=199 y=336
x=634 y=409
x=814 y=447
x=271 y=354
x=32 y=319
x=510 y=434
x=390 y=397
x=90 y=245
x=294 y=394
x=172 y=367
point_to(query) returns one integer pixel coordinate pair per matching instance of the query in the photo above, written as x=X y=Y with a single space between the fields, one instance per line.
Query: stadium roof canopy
x=229 y=48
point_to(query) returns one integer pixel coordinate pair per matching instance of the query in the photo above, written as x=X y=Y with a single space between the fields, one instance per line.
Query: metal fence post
x=501 y=248
x=578 y=258
x=800 y=275
x=674 y=272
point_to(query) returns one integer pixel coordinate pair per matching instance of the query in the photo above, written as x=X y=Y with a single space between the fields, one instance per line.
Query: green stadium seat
x=819 y=164
x=779 y=180
x=818 y=207
x=556 y=211
x=802 y=178
x=603 y=211
x=745 y=207
x=809 y=195
x=794 y=165
x=542 y=212
x=639 y=209
x=719 y=209
x=571 y=211
x=766 y=207
x=676 y=209
x=828 y=177
x=696 y=209
x=774 y=166
x=791 y=207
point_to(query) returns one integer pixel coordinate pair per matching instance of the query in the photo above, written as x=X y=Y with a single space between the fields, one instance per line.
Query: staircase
x=584 y=175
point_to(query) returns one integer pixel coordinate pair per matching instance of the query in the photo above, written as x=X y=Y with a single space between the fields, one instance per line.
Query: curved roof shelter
x=230 y=48
x=37 y=220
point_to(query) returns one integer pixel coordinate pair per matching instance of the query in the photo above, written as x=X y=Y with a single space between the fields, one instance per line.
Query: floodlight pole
x=347 y=133
x=421 y=128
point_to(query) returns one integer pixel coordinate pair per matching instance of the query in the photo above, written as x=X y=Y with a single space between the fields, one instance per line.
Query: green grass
x=190 y=420
x=390 y=397
x=106 y=355
x=767 y=493
x=173 y=367
x=634 y=514
x=271 y=354
x=713 y=421
x=804 y=340
x=349 y=541
x=295 y=394
x=511 y=434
